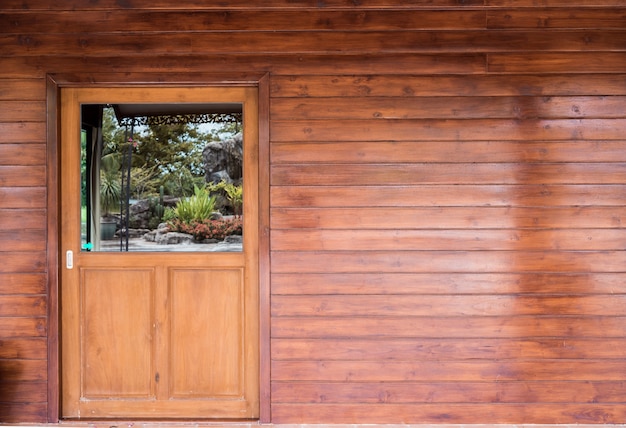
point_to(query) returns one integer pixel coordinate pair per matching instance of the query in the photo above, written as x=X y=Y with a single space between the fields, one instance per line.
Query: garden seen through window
x=164 y=177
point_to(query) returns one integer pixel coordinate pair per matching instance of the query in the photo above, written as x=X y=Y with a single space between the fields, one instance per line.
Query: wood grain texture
x=445 y=196
x=192 y=5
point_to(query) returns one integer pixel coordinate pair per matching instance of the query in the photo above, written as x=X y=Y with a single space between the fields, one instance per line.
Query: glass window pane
x=164 y=177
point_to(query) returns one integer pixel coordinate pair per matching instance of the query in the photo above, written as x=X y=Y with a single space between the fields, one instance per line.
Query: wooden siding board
x=404 y=174
x=552 y=3
x=22 y=132
x=23 y=197
x=51 y=23
x=334 y=42
x=456 y=239
x=193 y=5
x=442 y=392
x=376 y=261
x=22 y=176
x=22 y=111
x=22 y=90
x=458 y=328
x=22 y=283
x=23 y=262
x=402 y=349
x=445 y=305
x=551 y=18
x=22 y=349
x=450 y=218
x=448 y=130
x=395 y=85
x=448 y=283
x=519 y=195
x=23 y=392
x=498 y=413
x=557 y=62
x=523 y=152
x=379 y=108
x=451 y=371
x=247 y=63
x=18 y=412
x=22 y=154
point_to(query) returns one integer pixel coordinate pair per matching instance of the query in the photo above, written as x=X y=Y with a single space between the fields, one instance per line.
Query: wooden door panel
x=117 y=318
x=206 y=315
x=155 y=334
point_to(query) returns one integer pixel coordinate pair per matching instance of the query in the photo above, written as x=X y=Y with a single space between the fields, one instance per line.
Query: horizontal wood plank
x=447 y=283
x=447 y=371
x=527 y=151
x=413 y=84
x=22 y=176
x=22 y=327
x=23 y=262
x=447 y=196
x=27 y=111
x=460 y=240
x=447 y=107
x=23 y=370
x=192 y=5
x=23 y=197
x=448 y=413
x=22 y=132
x=23 y=283
x=440 y=305
x=319 y=174
x=449 y=327
x=553 y=3
x=453 y=392
x=22 y=154
x=23 y=305
x=49 y=23
x=22 y=219
x=300 y=39
x=23 y=349
x=24 y=411
x=551 y=62
x=402 y=349
x=22 y=90
x=376 y=261
x=452 y=217
x=23 y=240
x=448 y=130
x=557 y=18
x=23 y=392
x=321 y=64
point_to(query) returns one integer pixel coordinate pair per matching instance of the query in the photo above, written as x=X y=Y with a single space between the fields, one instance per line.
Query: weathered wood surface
x=446 y=196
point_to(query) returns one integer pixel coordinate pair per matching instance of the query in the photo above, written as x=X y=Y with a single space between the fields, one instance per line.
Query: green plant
x=197 y=207
x=110 y=185
x=233 y=193
x=235 y=196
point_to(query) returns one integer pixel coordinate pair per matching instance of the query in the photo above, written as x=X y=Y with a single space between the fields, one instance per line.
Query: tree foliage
x=163 y=155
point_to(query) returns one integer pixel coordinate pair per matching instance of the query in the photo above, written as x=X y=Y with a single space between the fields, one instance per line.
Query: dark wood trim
x=57 y=81
x=52 y=107
x=264 y=251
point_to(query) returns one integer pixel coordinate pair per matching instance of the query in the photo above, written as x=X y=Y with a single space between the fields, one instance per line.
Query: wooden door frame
x=54 y=84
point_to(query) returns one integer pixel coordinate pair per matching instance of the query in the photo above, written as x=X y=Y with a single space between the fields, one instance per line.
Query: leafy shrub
x=208 y=229
x=197 y=207
x=228 y=191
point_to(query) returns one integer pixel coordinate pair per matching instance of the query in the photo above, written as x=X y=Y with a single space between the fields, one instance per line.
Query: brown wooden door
x=157 y=334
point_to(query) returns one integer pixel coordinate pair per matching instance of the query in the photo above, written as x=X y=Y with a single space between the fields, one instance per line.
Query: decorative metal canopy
x=176 y=114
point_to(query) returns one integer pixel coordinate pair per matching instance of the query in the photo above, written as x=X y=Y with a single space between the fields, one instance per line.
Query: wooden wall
x=448 y=187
